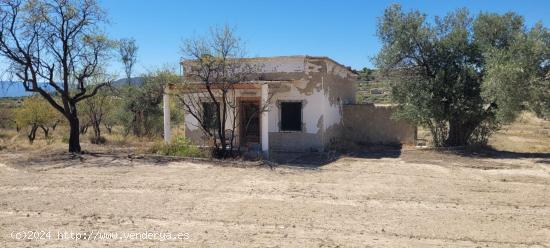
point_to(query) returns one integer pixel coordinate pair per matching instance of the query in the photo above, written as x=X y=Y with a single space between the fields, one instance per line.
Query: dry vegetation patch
x=527 y=134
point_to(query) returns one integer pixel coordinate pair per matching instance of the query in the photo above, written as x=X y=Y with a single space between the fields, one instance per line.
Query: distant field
x=527 y=134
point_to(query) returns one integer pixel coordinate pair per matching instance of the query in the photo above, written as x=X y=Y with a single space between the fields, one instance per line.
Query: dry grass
x=527 y=134
x=11 y=140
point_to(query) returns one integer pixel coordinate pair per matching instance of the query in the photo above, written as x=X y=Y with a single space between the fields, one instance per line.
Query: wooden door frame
x=255 y=99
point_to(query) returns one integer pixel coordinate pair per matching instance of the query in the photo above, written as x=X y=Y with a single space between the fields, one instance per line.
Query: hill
x=373 y=87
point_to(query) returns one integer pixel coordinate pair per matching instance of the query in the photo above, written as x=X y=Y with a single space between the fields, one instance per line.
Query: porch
x=251 y=118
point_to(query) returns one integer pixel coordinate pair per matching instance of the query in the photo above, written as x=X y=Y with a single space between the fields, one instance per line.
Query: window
x=210 y=115
x=291 y=116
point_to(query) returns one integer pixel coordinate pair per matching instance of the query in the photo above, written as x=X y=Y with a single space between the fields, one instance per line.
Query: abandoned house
x=303 y=104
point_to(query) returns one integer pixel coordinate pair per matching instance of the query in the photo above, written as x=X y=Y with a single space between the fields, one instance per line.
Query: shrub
x=65 y=139
x=97 y=140
x=181 y=147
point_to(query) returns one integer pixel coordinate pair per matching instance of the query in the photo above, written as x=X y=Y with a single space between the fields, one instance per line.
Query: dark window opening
x=291 y=116
x=210 y=115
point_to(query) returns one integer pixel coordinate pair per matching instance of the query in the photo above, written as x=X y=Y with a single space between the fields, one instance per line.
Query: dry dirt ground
x=410 y=198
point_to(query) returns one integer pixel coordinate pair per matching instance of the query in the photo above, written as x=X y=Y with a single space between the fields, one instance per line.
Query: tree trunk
x=138 y=123
x=83 y=129
x=74 y=135
x=97 y=132
x=32 y=133
x=109 y=128
x=46 y=131
x=459 y=133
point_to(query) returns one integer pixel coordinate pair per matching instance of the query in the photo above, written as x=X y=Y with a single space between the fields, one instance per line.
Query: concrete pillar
x=166 y=108
x=264 y=120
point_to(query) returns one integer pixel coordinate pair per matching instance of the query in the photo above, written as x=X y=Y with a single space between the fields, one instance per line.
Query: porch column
x=264 y=121
x=166 y=108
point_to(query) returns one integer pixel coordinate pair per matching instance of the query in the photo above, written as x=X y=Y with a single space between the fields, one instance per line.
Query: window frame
x=302 y=124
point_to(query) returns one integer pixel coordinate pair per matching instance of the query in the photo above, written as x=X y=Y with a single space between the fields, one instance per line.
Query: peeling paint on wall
x=322 y=84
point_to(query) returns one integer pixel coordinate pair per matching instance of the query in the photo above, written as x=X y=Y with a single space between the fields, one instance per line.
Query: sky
x=342 y=30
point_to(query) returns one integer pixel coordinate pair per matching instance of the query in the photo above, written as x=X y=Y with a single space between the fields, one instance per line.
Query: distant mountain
x=15 y=89
x=136 y=81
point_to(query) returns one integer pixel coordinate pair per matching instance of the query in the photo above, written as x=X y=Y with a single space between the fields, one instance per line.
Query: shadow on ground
x=62 y=159
x=318 y=159
x=489 y=152
x=464 y=157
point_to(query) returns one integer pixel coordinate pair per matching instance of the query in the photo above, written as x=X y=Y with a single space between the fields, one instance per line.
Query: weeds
x=180 y=147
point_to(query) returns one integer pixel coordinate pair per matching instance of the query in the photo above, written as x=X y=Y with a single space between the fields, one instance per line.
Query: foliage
x=127 y=50
x=518 y=75
x=36 y=113
x=141 y=111
x=366 y=74
x=99 y=110
x=181 y=147
x=461 y=76
x=6 y=117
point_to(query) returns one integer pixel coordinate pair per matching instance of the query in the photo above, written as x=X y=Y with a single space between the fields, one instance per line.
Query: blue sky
x=342 y=30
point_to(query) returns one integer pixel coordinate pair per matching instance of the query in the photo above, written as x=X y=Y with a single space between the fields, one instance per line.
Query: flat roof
x=305 y=57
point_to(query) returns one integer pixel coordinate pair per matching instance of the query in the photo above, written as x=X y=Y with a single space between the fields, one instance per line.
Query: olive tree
x=460 y=75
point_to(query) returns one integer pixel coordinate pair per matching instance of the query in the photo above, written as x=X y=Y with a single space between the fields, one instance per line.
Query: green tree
x=98 y=110
x=518 y=67
x=36 y=113
x=6 y=117
x=127 y=50
x=141 y=111
x=462 y=76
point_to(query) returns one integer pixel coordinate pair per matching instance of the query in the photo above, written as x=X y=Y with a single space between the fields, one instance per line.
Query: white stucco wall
x=311 y=111
x=322 y=111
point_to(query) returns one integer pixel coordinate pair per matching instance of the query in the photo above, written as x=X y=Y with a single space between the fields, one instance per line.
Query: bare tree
x=127 y=49
x=217 y=68
x=57 y=42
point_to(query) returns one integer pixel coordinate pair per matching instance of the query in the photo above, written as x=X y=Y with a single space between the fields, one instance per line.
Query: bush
x=65 y=139
x=98 y=141
x=181 y=147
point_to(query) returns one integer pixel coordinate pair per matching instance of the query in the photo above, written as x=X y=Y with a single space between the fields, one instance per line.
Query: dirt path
x=415 y=200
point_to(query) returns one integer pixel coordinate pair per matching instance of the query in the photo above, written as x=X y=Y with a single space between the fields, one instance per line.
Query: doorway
x=250 y=121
